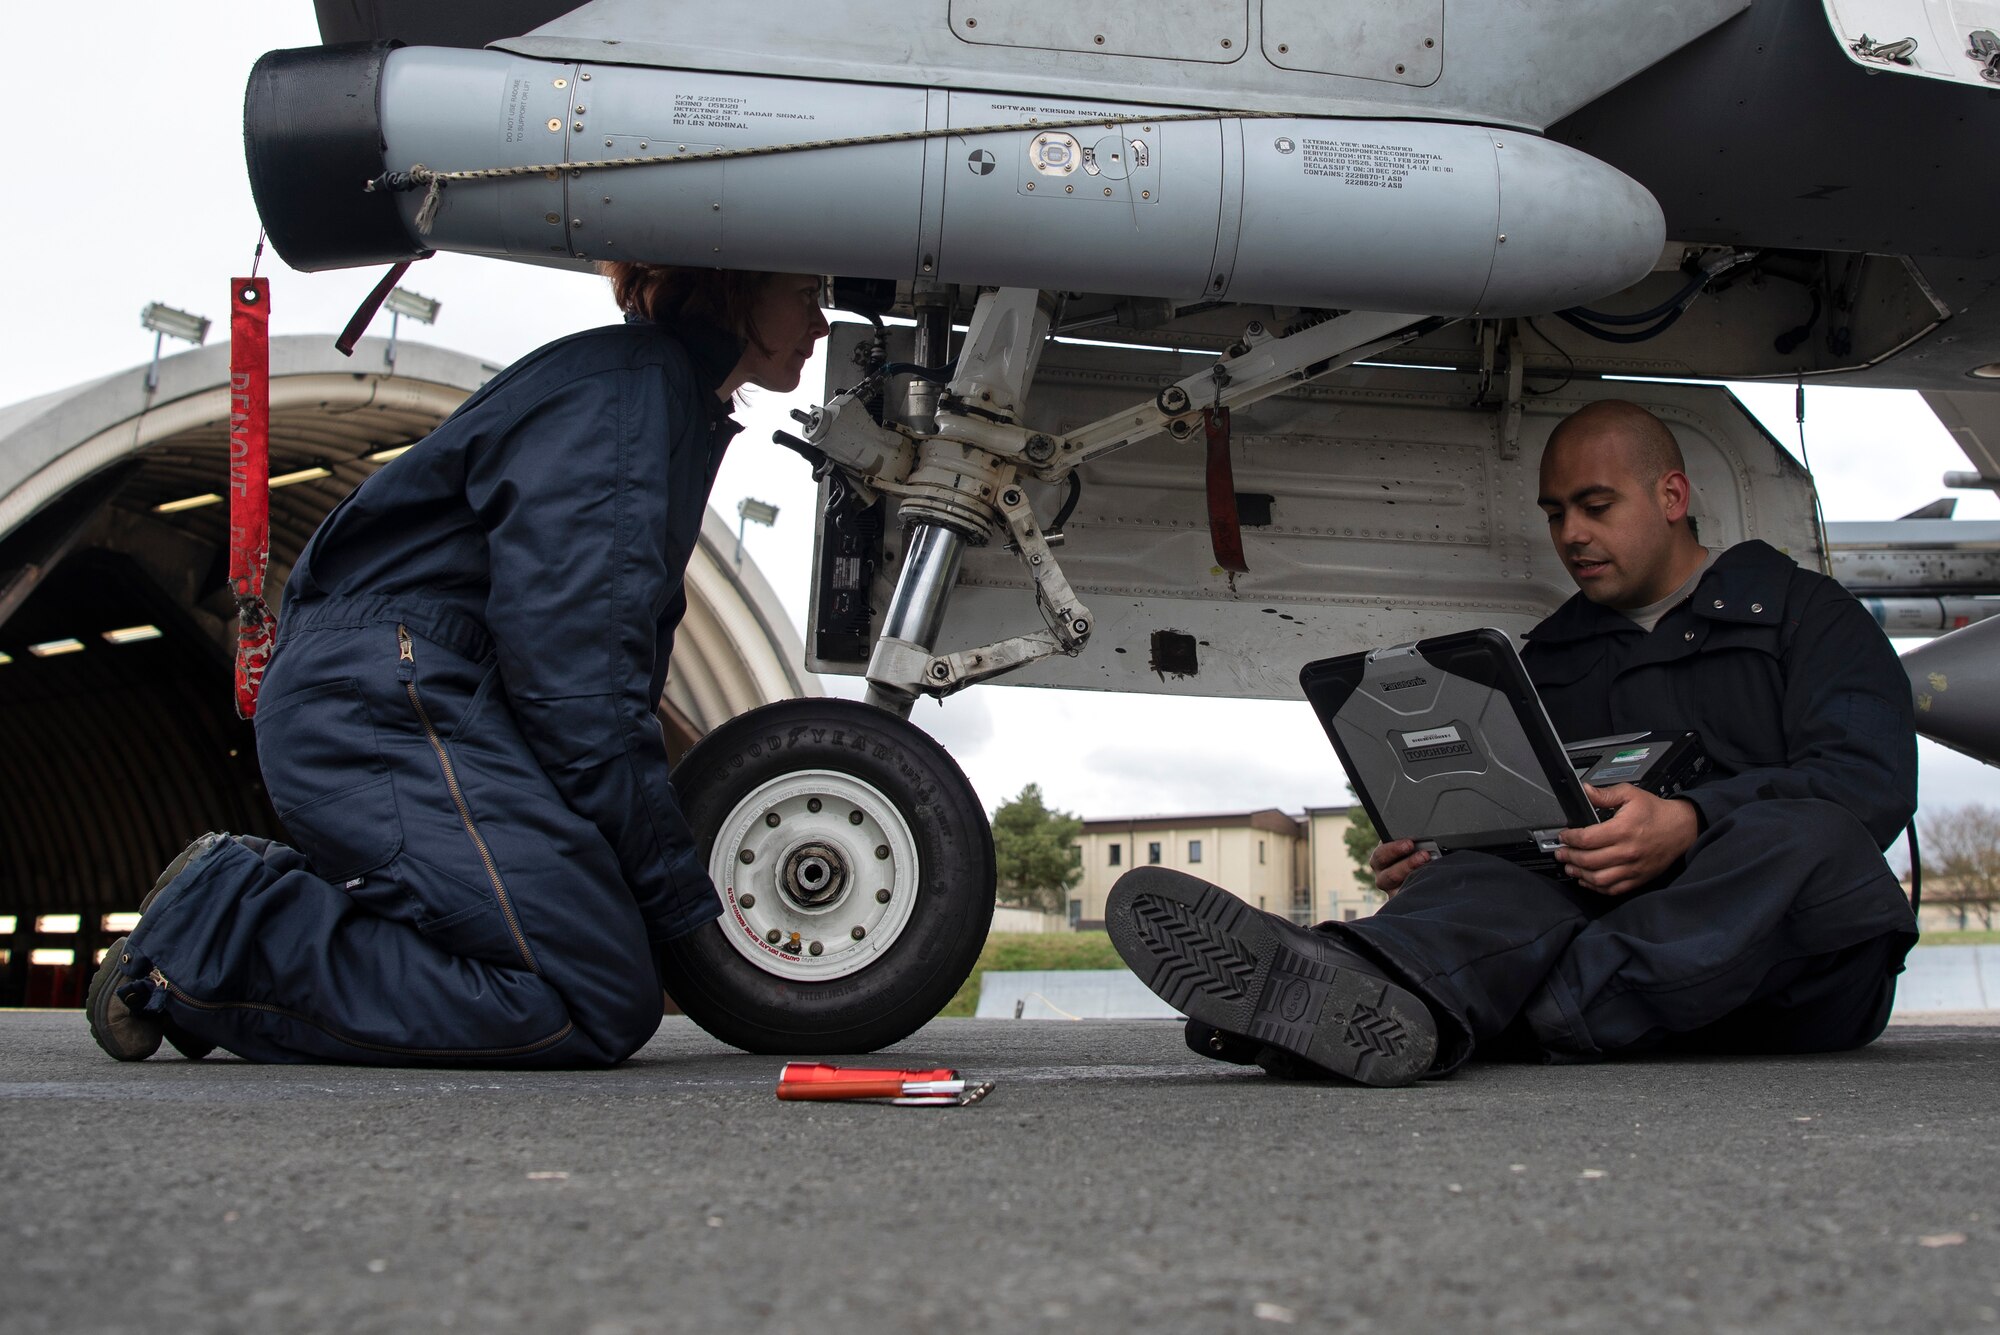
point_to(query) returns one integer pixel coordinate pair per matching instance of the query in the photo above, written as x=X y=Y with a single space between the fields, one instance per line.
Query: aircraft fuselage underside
x=1376 y=505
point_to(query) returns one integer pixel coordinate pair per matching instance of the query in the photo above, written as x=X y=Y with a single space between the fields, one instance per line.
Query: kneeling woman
x=458 y=725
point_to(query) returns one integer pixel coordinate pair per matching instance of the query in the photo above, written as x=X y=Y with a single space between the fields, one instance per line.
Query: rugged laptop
x=1447 y=743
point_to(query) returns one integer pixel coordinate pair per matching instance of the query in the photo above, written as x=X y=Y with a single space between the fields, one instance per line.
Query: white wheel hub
x=818 y=875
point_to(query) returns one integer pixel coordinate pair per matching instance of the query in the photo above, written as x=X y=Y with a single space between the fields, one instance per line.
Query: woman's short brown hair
x=665 y=293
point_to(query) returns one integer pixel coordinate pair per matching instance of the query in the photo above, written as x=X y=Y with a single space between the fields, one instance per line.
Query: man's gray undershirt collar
x=1649 y=616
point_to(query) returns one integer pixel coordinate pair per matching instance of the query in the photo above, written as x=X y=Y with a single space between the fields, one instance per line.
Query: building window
x=1075 y=913
x=1076 y=855
x=1260 y=851
x=1349 y=915
x=1117 y=854
x=1153 y=852
x=1194 y=850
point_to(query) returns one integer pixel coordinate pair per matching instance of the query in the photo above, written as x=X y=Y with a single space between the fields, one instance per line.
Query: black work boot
x=128 y=1035
x=201 y=844
x=1250 y=973
x=133 y=1035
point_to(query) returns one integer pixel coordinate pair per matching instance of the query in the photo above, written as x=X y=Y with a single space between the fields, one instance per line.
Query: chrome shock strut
x=962 y=489
x=930 y=568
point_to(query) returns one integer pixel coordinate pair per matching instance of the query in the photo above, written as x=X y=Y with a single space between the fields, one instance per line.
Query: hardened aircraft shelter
x=118 y=735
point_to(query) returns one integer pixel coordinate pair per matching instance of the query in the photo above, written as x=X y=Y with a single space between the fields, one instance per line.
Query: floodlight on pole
x=401 y=301
x=752 y=512
x=166 y=322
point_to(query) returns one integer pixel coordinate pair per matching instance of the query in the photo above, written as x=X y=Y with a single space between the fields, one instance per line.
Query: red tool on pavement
x=937 y=1087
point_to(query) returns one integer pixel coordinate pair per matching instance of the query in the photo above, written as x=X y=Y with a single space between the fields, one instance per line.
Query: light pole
x=401 y=301
x=752 y=512
x=164 y=321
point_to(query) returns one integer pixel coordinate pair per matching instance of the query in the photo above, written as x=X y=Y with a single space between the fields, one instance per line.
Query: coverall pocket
x=348 y=834
x=327 y=780
x=470 y=720
x=459 y=917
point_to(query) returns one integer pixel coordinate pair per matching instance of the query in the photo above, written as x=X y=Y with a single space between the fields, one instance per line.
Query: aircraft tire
x=855 y=867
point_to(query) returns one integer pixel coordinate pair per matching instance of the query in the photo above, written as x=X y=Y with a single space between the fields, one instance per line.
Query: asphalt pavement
x=1112 y=1182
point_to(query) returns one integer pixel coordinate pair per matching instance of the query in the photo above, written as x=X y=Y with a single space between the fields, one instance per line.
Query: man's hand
x=1641 y=839
x=1393 y=862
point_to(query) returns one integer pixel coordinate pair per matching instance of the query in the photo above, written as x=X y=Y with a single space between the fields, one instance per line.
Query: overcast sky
x=137 y=193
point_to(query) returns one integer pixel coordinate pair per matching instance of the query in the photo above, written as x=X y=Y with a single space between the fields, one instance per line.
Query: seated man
x=1754 y=913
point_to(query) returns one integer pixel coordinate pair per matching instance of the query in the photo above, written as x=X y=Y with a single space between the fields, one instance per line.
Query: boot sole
x=1219 y=961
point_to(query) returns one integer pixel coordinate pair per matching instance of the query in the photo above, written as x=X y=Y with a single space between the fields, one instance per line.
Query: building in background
x=1258 y=855
x=1294 y=865
x=1337 y=894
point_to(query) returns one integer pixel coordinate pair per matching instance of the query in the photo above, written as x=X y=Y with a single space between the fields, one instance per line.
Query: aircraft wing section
x=1974 y=422
x=1472 y=60
x=1957 y=41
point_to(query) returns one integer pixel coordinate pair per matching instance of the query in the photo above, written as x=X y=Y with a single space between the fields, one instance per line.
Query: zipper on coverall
x=406 y=672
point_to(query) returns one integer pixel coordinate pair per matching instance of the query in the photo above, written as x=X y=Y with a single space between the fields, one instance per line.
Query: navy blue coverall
x=1782 y=929
x=458 y=731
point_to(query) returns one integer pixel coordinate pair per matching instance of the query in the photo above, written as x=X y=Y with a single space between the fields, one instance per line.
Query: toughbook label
x=1433 y=744
x=1403 y=683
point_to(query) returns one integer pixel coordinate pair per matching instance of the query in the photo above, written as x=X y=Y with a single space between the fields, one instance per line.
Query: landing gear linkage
x=962 y=482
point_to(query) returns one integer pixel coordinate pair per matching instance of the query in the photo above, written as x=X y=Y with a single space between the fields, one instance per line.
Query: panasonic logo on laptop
x=1404 y=684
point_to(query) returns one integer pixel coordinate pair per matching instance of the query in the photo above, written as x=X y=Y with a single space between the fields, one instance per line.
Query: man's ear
x=1675 y=493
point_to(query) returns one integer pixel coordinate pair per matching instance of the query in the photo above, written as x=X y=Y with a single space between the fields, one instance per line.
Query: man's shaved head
x=1616 y=494
x=1653 y=452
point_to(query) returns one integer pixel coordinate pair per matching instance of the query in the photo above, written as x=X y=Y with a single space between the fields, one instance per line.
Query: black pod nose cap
x=312 y=139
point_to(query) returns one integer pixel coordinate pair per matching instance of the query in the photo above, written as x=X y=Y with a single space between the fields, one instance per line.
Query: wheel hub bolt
x=746 y=857
x=813 y=805
x=816 y=948
x=747 y=901
x=881 y=853
x=774 y=936
x=858 y=933
x=881 y=896
x=771 y=819
x=853 y=818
